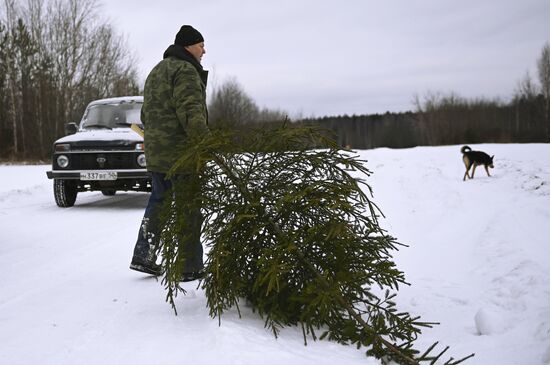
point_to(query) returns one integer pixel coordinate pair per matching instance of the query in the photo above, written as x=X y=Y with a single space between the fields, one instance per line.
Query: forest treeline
x=58 y=55
x=451 y=120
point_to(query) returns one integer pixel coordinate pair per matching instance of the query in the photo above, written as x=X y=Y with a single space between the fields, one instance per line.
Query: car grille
x=103 y=161
x=85 y=148
x=117 y=145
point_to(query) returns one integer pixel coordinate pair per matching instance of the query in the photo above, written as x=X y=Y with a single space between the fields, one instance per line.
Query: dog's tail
x=465 y=149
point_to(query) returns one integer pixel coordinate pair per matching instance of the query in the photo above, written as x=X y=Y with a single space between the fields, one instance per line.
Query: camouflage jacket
x=174 y=107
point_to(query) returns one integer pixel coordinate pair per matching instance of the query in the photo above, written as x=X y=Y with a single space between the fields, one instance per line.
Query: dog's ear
x=493 y=156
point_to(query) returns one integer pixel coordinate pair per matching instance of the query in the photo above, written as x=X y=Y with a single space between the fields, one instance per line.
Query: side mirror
x=71 y=128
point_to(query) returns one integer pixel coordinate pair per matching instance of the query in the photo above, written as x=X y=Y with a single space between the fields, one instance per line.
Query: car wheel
x=65 y=192
x=108 y=192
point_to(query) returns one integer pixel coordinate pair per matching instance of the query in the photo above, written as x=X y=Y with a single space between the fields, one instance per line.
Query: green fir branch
x=292 y=230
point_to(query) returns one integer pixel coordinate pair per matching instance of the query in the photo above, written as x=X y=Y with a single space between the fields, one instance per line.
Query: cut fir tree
x=289 y=228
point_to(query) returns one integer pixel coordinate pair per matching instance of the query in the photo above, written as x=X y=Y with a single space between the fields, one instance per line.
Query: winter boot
x=190 y=276
x=145 y=266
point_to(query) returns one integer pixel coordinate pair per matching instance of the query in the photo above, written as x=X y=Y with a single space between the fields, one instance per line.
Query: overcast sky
x=317 y=57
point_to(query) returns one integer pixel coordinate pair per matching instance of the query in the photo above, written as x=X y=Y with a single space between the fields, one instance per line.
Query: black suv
x=102 y=153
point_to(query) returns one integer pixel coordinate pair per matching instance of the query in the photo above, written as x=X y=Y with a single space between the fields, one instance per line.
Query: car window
x=110 y=116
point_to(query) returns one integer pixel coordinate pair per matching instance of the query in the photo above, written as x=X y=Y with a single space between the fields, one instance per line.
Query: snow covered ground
x=478 y=262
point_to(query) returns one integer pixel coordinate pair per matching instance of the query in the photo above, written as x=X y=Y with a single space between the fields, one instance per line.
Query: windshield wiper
x=124 y=123
x=97 y=125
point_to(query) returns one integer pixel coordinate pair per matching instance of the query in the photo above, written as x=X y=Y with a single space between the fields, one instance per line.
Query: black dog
x=475 y=158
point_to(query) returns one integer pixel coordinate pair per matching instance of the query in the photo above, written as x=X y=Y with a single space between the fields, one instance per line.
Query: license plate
x=103 y=175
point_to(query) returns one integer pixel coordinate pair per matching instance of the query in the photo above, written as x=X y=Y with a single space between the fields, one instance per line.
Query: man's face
x=197 y=50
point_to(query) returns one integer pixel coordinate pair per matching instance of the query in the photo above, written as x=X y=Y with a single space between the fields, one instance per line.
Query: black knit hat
x=187 y=36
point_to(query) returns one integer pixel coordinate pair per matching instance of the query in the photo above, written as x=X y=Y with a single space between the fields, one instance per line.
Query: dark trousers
x=149 y=231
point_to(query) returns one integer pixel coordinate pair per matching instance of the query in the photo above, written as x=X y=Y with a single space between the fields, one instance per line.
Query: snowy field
x=478 y=261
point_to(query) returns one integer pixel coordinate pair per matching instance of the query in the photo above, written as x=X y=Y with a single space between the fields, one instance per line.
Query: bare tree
x=417 y=103
x=543 y=66
x=526 y=88
x=230 y=104
x=11 y=100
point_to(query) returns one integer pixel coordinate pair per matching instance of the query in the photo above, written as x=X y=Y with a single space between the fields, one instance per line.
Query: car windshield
x=114 y=115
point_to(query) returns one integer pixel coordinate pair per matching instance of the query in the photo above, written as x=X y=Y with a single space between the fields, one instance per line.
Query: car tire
x=108 y=192
x=65 y=192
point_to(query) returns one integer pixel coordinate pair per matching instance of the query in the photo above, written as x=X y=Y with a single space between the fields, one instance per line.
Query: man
x=174 y=109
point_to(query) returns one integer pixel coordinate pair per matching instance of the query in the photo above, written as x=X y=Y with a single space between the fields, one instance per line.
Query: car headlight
x=62 y=161
x=62 y=147
x=141 y=160
x=140 y=146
